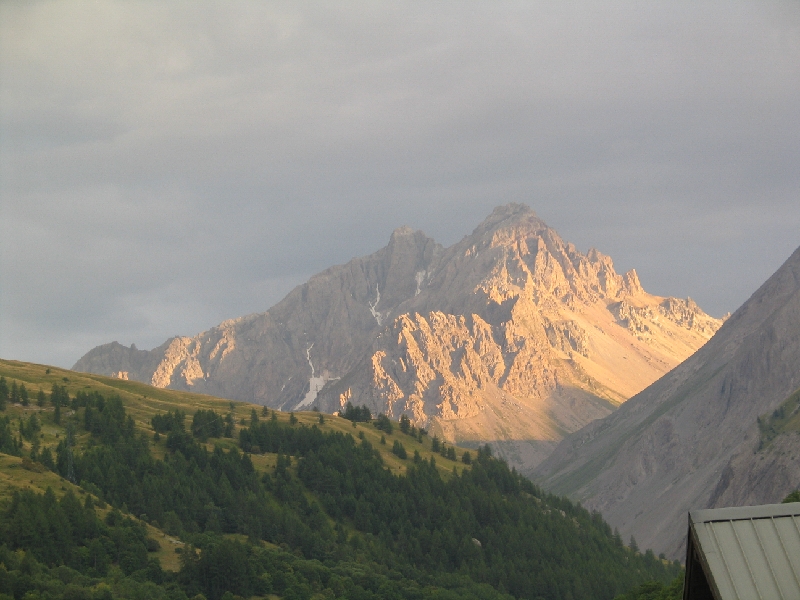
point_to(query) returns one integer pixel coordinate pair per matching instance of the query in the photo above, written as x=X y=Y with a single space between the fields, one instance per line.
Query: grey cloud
x=166 y=166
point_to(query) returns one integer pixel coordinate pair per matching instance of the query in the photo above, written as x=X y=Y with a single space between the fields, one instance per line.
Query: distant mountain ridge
x=510 y=336
x=697 y=438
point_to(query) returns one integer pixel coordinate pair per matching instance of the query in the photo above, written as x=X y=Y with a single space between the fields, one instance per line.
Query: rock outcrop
x=511 y=336
x=693 y=439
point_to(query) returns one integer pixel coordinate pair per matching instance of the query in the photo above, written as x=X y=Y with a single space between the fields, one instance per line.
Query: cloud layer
x=164 y=166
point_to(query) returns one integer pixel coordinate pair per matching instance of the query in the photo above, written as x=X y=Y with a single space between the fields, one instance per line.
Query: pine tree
x=405 y=423
x=70 y=459
x=399 y=450
x=59 y=395
x=229 y=426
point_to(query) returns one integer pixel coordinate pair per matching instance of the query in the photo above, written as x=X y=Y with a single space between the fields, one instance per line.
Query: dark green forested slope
x=329 y=520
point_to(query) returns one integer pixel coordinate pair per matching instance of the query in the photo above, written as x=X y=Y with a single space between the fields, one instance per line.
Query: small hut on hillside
x=744 y=553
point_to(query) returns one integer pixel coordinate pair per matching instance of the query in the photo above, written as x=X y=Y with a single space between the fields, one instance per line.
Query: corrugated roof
x=749 y=553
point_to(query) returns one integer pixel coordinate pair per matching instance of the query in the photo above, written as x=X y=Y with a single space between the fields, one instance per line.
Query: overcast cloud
x=165 y=166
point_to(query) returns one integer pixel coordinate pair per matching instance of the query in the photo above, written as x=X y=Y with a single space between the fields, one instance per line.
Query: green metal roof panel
x=750 y=552
x=734 y=513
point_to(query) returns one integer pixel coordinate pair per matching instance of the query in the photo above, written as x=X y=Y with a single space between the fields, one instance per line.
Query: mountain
x=510 y=336
x=721 y=429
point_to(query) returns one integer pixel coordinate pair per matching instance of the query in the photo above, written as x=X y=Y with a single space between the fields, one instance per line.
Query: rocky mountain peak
x=522 y=256
x=406 y=244
x=402 y=231
x=631 y=282
x=505 y=226
x=505 y=216
x=509 y=334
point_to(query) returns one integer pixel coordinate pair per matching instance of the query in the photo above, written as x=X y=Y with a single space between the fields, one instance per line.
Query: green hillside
x=127 y=491
x=784 y=419
x=143 y=402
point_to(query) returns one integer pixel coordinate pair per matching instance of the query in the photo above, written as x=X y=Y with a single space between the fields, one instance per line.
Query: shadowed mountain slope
x=719 y=430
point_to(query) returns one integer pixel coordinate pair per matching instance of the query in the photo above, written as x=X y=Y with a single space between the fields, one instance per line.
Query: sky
x=165 y=166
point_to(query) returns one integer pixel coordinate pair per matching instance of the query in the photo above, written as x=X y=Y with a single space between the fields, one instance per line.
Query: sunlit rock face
x=511 y=336
x=517 y=337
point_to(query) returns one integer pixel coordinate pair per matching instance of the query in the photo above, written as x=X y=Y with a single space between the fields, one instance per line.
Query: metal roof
x=747 y=553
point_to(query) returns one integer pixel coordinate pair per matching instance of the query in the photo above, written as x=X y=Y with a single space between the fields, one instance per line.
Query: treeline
x=488 y=523
x=18 y=394
x=8 y=443
x=68 y=532
x=655 y=590
x=344 y=522
x=62 y=549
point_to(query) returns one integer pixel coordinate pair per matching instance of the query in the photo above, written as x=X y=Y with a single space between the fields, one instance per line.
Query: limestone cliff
x=518 y=338
x=511 y=336
x=279 y=357
x=693 y=439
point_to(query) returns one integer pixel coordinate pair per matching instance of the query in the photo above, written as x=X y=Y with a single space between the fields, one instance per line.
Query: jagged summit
x=510 y=335
x=403 y=231
x=506 y=215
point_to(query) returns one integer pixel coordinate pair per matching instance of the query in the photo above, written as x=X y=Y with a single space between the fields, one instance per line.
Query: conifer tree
x=399 y=450
x=405 y=423
x=229 y=426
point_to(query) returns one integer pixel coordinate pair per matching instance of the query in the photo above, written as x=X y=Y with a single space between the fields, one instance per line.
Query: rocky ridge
x=693 y=439
x=511 y=336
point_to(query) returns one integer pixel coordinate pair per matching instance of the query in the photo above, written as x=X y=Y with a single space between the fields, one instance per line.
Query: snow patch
x=419 y=277
x=315 y=384
x=372 y=307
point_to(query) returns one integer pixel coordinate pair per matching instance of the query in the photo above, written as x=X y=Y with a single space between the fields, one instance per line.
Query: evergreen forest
x=269 y=507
